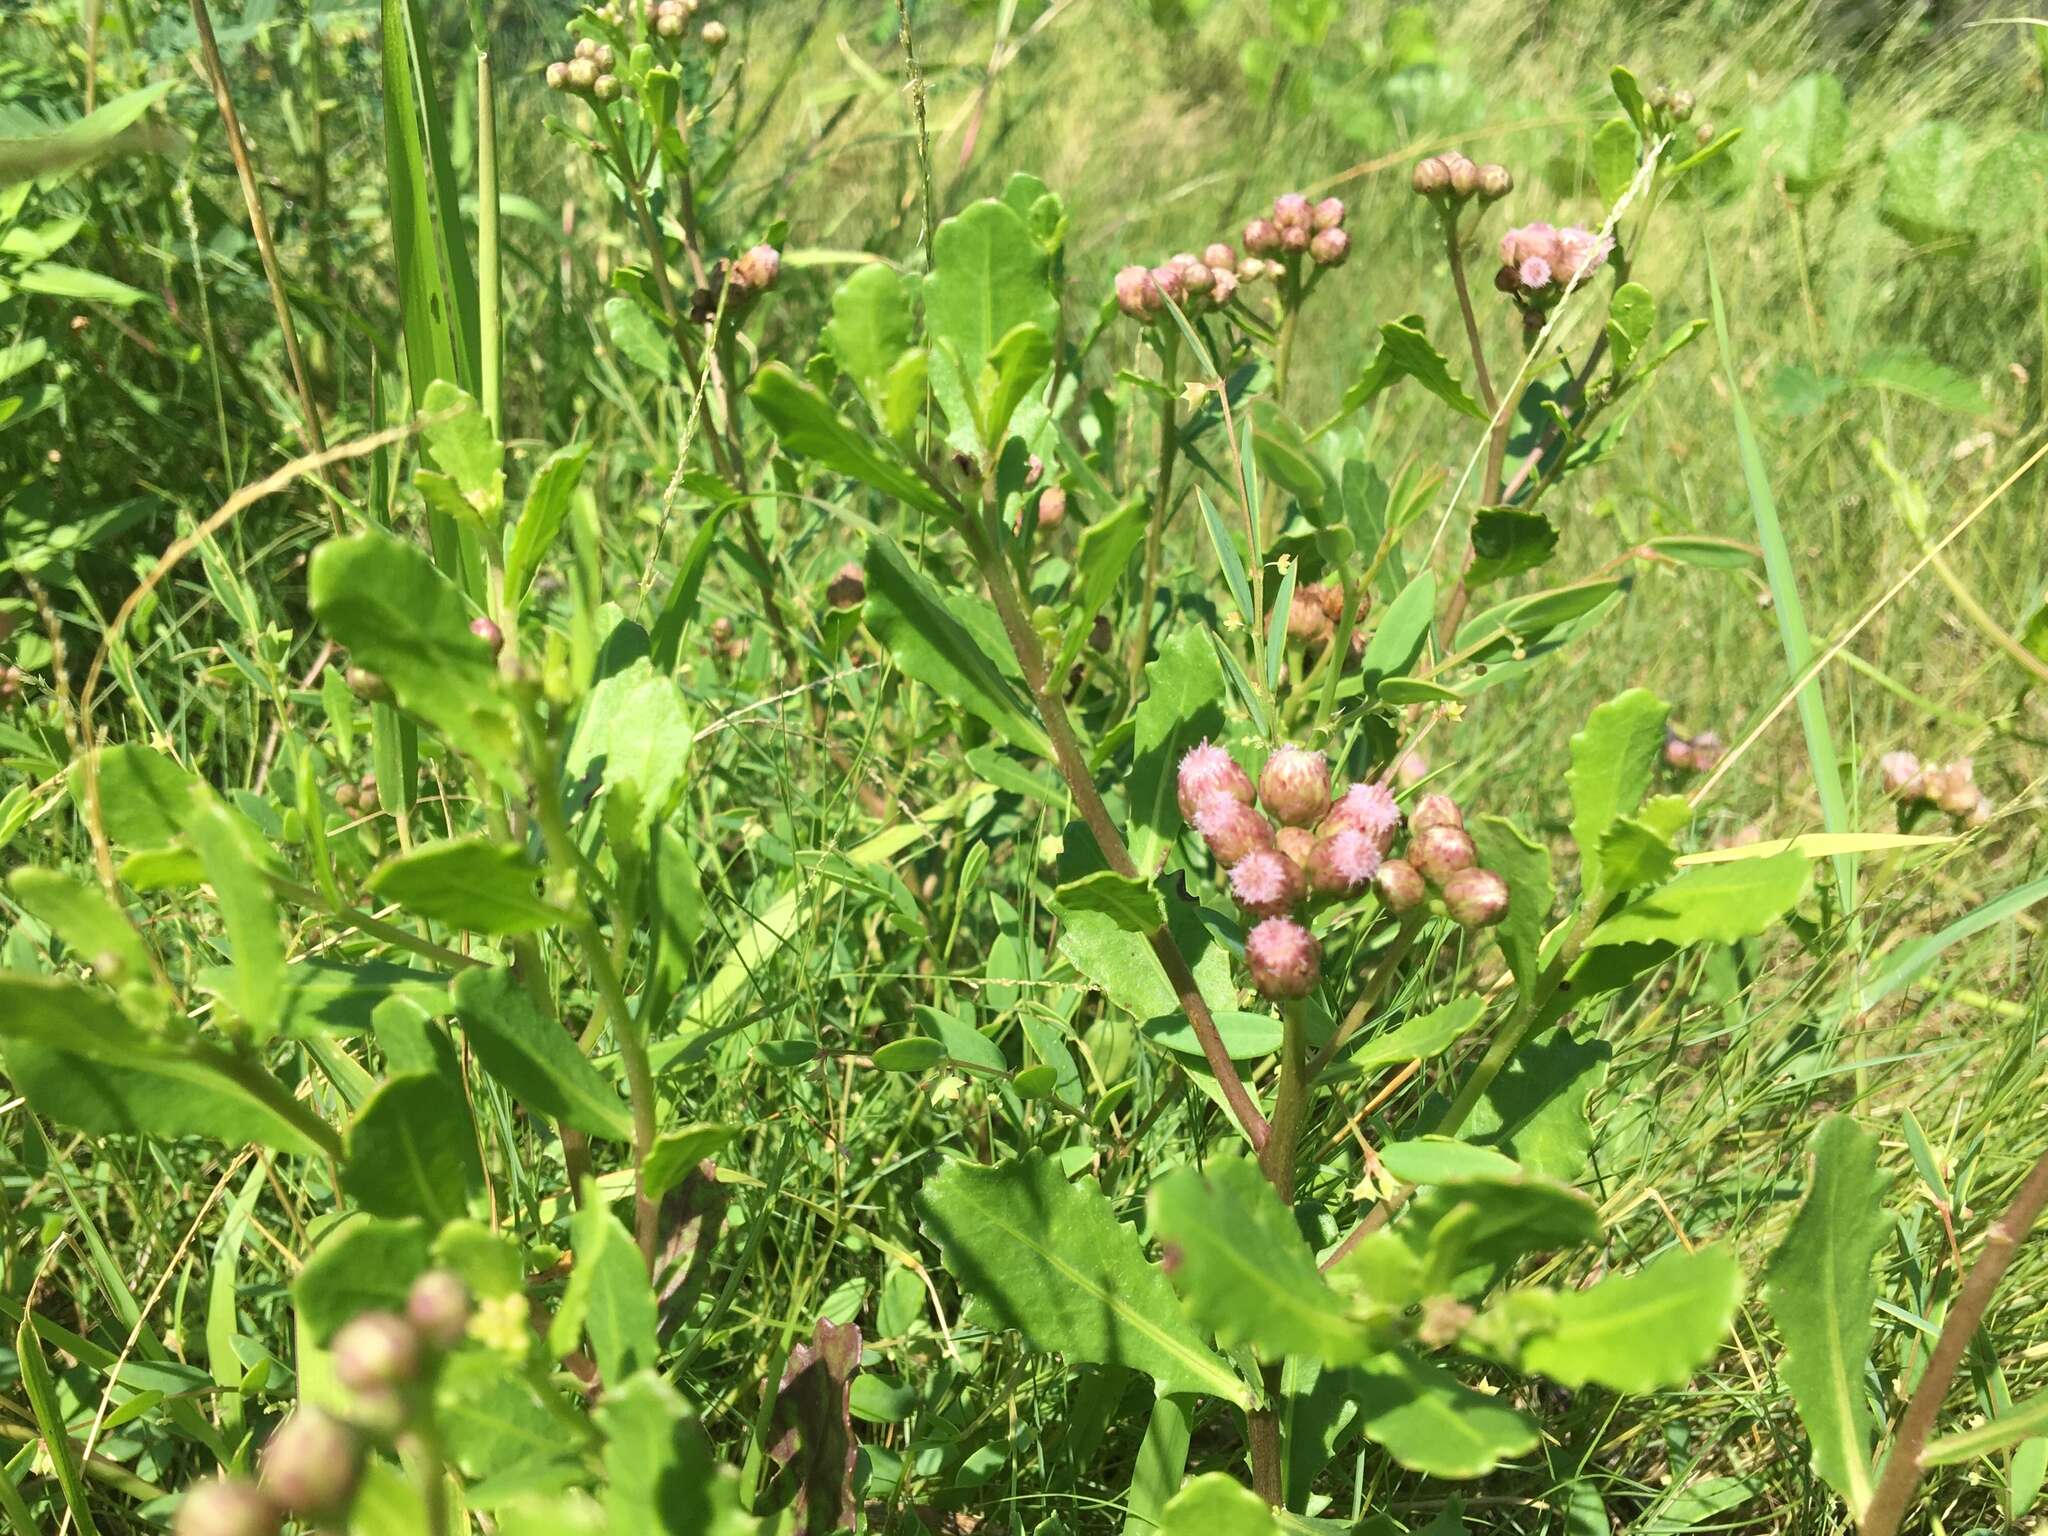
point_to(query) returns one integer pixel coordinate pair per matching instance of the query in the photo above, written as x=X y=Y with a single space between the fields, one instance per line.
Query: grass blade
x=40 y=1388
x=1909 y=960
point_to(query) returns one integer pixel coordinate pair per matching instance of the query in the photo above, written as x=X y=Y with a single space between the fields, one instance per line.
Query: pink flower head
x=1231 y=828
x=1226 y=286
x=1538 y=241
x=1902 y=775
x=1292 y=211
x=1294 y=786
x=1534 y=272
x=1330 y=247
x=1136 y=295
x=1262 y=237
x=1284 y=958
x=1580 y=253
x=1400 y=886
x=1206 y=770
x=1343 y=863
x=1328 y=214
x=1267 y=884
x=1367 y=808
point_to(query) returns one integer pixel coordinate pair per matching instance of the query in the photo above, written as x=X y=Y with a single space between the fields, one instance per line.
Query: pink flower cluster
x=1210 y=281
x=1308 y=845
x=1694 y=754
x=1538 y=258
x=1950 y=788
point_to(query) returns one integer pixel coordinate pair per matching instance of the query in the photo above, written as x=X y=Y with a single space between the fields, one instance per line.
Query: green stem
x=1290 y=1103
x=490 y=276
x=1155 y=533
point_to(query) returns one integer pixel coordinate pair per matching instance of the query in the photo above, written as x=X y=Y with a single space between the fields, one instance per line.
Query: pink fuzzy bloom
x=1580 y=253
x=1231 y=828
x=1206 y=770
x=1902 y=775
x=1367 y=808
x=1284 y=958
x=1534 y=272
x=1531 y=240
x=1294 y=786
x=1343 y=863
x=1219 y=257
x=1267 y=884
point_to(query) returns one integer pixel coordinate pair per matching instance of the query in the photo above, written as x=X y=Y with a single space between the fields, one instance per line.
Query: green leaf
x=247 y=909
x=62 y=282
x=872 y=326
x=659 y=1476
x=1536 y=1110
x=1242 y=1267
x=1643 y=1332
x=51 y=157
x=1183 y=705
x=1418 y=1039
x=547 y=503
x=1049 y=1259
x=913 y=1053
x=1909 y=371
x=1621 y=79
x=1132 y=905
x=464 y=448
x=1616 y=152
x=466 y=882
x=498 y=1431
x=80 y=914
x=1405 y=353
x=1631 y=320
x=1806 y=132
x=535 y=1058
x=989 y=276
x=1633 y=854
x=907 y=614
x=1398 y=639
x=635 y=735
x=1821 y=1287
x=411 y=1151
x=40 y=1388
x=1506 y=543
x=1015 y=366
x=608 y=1295
x=1713 y=904
x=404 y=621
x=2022 y=1421
x=362 y=1265
x=1446 y=1160
x=1525 y=865
x=634 y=332
x=677 y=1152
x=1707 y=551
x=1285 y=457
x=1101 y=559
x=807 y=426
x=1926 y=195
x=1429 y=1423
x=1217 y=1504
x=144 y=797
x=1910 y=960
x=1613 y=759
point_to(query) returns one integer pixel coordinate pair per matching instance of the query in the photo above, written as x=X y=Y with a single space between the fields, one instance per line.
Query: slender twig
x=1901 y=1473
x=259 y=226
x=1497 y=440
x=1155 y=532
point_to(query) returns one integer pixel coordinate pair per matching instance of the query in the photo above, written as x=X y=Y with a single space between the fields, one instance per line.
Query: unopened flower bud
x=1658 y=97
x=488 y=632
x=1330 y=248
x=1677 y=751
x=1495 y=182
x=376 y=1349
x=1291 y=210
x=670 y=24
x=345 y=796
x=1196 y=278
x=1707 y=750
x=848 y=587
x=713 y=35
x=226 y=1506
x=1298 y=843
x=1219 y=257
x=586 y=47
x=1703 y=135
x=1476 y=898
x=1327 y=214
x=1307 y=624
x=604 y=58
x=1135 y=295
x=1225 y=289
x=1167 y=280
x=1284 y=959
x=366 y=792
x=1052 y=508
x=721 y=629
x=1295 y=238
x=311 y=1465
x=1034 y=471
x=365 y=684
x=1681 y=105
x=1343 y=863
x=1262 y=237
x=1902 y=775
x=437 y=1306
x=1266 y=883
x=1464 y=177
x=1232 y=829
x=1366 y=808
x=1430 y=176
x=582 y=74
x=1440 y=852
x=558 y=76
x=1206 y=770
x=1400 y=886
x=605 y=88
x=1101 y=636
x=1294 y=786
x=1954 y=788
x=1434 y=811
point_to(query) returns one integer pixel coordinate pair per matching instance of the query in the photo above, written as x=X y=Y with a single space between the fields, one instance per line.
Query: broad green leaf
x=873 y=324
x=498 y=1431
x=59 y=281
x=2022 y=1421
x=1536 y=1110
x=808 y=427
x=534 y=1057
x=678 y=1151
x=1927 y=184
x=51 y=157
x=1714 y=904
x=1015 y=365
x=608 y=1295
x=1807 y=131
x=364 y=1264
x=1506 y=850
x=913 y=1053
x=1049 y=1259
x=1419 y=1038
x=1633 y=854
x=1245 y=1036
x=465 y=449
x=1613 y=759
x=907 y=614
x=1642 y=1332
x=1621 y=79
x=144 y=797
x=1821 y=1287
x=411 y=1151
x=1631 y=319
x=547 y=503
x=1446 y=1160
x=466 y=882
x=80 y=914
x=1182 y=706
x=1285 y=457
x=635 y=735
x=1506 y=543
x=1491 y=1213
x=404 y=621
x=1405 y=353
x=39 y=1386
x=1133 y=905
x=1616 y=150
x=1123 y=965
x=988 y=276
x=1101 y=559
x=1429 y=1423
x=1398 y=638
x=1240 y=1263
x=247 y=910
x=659 y=1474
x=634 y=332
x=1217 y=1504
x=1707 y=551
